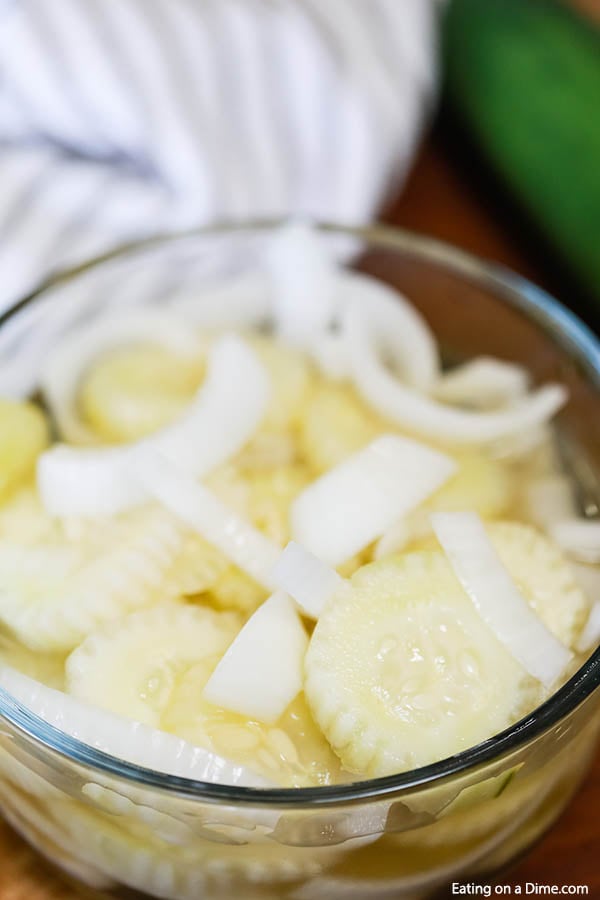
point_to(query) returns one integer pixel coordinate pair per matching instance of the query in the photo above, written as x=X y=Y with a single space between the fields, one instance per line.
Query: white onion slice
x=239 y=301
x=69 y=359
x=305 y=578
x=206 y=514
x=302 y=278
x=516 y=446
x=93 y=483
x=350 y=506
x=549 y=500
x=395 y=330
x=123 y=738
x=579 y=538
x=590 y=636
x=497 y=598
x=224 y=415
x=416 y=412
x=261 y=672
x=310 y=290
x=483 y=382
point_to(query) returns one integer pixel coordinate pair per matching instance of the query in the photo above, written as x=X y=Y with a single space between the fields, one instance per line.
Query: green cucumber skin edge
x=525 y=75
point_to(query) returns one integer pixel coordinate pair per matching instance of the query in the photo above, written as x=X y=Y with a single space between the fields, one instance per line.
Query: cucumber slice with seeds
x=401 y=669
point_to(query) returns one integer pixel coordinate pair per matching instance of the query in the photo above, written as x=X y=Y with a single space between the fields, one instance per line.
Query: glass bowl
x=115 y=826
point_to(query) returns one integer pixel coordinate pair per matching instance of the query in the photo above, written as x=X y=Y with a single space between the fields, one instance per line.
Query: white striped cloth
x=124 y=118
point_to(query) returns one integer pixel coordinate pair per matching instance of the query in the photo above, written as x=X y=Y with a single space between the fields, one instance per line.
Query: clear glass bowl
x=114 y=826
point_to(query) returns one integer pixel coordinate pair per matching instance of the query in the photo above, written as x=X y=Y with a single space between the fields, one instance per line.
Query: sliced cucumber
x=401 y=670
x=131 y=666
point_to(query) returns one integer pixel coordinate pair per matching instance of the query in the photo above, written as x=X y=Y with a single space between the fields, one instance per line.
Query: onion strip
x=395 y=329
x=302 y=279
x=207 y=515
x=410 y=409
x=73 y=354
x=579 y=538
x=496 y=597
x=226 y=412
x=304 y=577
x=122 y=738
x=483 y=382
x=351 y=505
x=262 y=671
x=310 y=293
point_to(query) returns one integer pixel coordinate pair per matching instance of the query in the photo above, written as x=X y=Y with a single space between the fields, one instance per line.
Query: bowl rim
x=565 y=328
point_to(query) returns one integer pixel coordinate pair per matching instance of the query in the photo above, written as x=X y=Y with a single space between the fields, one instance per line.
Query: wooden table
x=446 y=198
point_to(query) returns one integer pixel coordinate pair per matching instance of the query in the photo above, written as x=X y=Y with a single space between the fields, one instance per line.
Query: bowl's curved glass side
x=117 y=824
x=107 y=832
x=473 y=308
x=155 y=274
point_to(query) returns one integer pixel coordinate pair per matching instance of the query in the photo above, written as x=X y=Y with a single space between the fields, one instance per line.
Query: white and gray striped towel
x=123 y=118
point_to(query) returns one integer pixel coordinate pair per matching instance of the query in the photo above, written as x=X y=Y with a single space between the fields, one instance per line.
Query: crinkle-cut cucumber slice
x=264 y=497
x=24 y=520
x=130 y=392
x=56 y=591
x=544 y=577
x=336 y=424
x=292 y=380
x=24 y=434
x=481 y=484
x=131 y=666
x=49 y=668
x=152 y=666
x=401 y=671
x=235 y=590
x=196 y=568
x=204 y=573
x=270 y=497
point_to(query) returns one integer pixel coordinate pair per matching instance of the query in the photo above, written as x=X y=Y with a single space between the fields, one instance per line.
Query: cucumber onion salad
x=286 y=557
